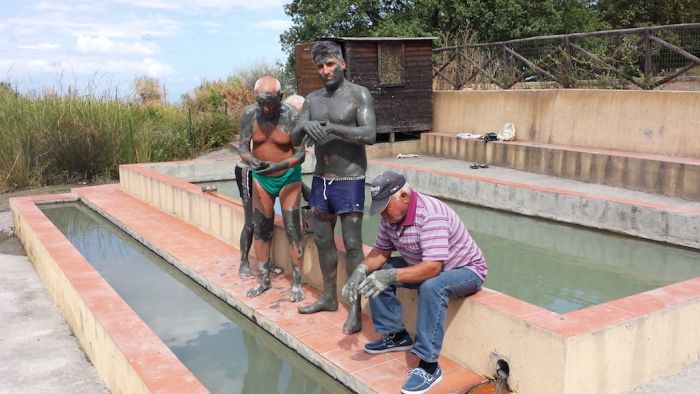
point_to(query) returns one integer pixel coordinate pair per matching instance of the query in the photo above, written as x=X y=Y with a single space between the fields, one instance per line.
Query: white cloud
x=152 y=4
x=272 y=24
x=104 y=44
x=155 y=27
x=64 y=7
x=23 y=68
x=39 y=47
x=89 y=67
x=229 y=4
x=155 y=68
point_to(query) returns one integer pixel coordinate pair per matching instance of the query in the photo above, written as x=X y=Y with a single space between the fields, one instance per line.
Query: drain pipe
x=502 y=373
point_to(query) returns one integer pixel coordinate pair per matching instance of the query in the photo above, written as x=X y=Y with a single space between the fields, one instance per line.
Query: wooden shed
x=396 y=70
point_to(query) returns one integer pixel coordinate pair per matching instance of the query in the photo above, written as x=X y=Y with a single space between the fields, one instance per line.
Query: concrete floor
x=38 y=352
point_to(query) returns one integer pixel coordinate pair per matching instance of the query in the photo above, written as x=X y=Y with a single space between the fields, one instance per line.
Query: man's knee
x=431 y=287
x=263 y=226
x=292 y=225
x=353 y=244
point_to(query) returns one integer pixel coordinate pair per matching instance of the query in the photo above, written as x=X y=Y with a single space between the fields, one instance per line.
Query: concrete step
x=651 y=173
x=646 y=215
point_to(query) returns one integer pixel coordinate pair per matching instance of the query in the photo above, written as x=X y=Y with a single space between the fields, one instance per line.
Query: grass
x=53 y=139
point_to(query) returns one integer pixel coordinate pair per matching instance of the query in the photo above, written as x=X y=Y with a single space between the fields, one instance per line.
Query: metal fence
x=639 y=58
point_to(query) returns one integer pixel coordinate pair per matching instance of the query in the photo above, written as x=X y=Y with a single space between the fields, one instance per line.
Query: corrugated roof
x=378 y=38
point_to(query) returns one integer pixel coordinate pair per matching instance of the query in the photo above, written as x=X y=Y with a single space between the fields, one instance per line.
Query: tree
x=148 y=89
x=488 y=20
x=631 y=13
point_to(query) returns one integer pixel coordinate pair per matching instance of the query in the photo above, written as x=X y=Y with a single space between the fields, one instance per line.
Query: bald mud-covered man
x=275 y=160
x=340 y=120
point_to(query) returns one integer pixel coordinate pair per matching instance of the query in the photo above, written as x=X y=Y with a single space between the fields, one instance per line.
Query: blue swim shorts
x=338 y=195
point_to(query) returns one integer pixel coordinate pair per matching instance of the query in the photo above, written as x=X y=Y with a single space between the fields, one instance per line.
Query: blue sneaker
x=387 y=343
x=419 y=381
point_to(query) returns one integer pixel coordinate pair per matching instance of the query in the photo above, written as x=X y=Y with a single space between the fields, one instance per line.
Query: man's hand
x=377 y=281
x=350 y=288
x=316 y=130
x=270 y=167
x=255 y=164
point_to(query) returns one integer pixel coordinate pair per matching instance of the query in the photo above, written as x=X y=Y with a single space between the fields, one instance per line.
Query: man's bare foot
x=273 y=269
x=325 y=303
x=263 y=284
x=297 y=294
x=354 y=322
x=257 y=290
x=244 y=271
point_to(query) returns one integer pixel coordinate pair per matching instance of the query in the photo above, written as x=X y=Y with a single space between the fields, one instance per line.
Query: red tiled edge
x=217 y=261
x=135 y=340
x=627 y=201
x=594 y=317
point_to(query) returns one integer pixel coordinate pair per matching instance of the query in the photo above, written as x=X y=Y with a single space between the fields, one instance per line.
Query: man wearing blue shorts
x=340 y=120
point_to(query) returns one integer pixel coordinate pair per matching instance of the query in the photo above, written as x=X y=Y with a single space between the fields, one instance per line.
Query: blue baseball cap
x=383 y=187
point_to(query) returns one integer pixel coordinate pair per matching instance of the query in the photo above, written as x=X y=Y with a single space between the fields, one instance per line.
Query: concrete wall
x=657 y=122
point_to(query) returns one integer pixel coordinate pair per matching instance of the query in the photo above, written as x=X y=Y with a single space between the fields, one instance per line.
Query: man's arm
x=376 y=259
x=418 y=272
x=307 y=130
x=245 y=135
x=366 y=130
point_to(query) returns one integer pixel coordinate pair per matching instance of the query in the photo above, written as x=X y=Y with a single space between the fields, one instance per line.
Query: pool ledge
x=127 y=354
x=610 y=347
x=213 y=264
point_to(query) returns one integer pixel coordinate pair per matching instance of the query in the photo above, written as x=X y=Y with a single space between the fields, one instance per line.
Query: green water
x=227 y=352
x=557 y=266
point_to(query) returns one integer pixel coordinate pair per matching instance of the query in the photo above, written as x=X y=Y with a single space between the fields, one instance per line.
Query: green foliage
x=631 y=13
x=52 y=138
x=490 y=20
x=487 y=20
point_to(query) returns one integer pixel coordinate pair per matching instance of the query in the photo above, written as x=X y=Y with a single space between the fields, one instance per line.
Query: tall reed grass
x=48 y=139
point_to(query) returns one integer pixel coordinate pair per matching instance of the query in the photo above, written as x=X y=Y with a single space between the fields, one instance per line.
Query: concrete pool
x=223 y=349
x=609 y=347
x=557 y=266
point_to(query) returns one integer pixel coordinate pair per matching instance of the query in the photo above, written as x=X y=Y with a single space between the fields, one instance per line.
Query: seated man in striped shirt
x=438 y=257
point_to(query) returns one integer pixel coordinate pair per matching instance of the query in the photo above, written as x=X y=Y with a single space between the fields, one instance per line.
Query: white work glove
x=350 y=288
x=377 y=281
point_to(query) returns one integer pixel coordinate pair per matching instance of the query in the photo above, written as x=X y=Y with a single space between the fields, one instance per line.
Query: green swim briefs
x=273 y=184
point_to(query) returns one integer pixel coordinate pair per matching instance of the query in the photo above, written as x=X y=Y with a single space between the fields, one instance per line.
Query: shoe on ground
x=419 y=381
x=388 y=343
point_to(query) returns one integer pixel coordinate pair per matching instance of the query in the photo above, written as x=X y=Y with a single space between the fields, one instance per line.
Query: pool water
x=227 y=352
x=557 y=266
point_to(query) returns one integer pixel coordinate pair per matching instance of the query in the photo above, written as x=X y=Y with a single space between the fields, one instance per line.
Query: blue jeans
x=433 y=295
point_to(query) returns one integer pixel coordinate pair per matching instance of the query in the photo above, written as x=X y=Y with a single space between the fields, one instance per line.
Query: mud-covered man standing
x=275 y=160
x=340 y=119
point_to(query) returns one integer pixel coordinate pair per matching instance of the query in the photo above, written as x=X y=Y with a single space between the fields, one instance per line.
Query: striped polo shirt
x=432 y=231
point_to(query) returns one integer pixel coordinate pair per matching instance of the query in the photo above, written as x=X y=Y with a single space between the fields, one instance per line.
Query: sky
x=101 y=46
